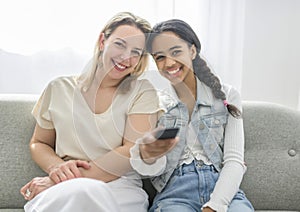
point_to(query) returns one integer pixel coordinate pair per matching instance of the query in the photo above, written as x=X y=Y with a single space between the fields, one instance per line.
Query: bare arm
x=106 y=168
x=42 y=150
x=42 y=146
x=116 y=162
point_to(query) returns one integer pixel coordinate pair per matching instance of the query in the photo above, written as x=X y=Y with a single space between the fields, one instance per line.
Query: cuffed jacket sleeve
x=143 y=168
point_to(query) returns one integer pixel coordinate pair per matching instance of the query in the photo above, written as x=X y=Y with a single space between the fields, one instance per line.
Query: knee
x=170 y=206
x=240 y=205
x=85 y=187
x=74 y=195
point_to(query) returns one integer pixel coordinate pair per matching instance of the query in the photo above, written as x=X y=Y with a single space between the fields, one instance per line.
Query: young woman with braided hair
x=201 y=169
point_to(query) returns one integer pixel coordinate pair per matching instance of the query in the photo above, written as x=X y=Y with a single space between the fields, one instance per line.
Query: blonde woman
x=87 y=124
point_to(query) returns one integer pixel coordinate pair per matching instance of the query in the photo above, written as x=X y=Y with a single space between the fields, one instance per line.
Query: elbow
x=32 y=145
x=238 y=164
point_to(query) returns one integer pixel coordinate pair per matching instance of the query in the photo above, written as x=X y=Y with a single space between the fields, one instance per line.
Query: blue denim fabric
x=208 y=119
x=199 y=181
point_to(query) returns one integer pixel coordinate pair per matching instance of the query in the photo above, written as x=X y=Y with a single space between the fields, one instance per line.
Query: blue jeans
x=189 y=189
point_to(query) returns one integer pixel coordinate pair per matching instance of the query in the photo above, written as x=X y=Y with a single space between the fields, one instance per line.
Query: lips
x=174 y=71
x=119 y=67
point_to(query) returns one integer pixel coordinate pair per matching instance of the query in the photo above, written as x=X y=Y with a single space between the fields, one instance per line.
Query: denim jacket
x=208 y=119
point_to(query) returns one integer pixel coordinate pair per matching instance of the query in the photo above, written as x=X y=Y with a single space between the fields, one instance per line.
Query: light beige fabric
x=79 y=132
x=82 y=134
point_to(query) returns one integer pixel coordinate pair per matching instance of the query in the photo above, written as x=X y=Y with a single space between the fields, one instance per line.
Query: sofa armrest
x=272 y=155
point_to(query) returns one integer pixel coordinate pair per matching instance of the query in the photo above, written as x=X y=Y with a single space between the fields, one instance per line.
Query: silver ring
x=28 y=192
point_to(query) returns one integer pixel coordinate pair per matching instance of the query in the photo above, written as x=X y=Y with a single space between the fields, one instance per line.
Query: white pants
x=88 y=195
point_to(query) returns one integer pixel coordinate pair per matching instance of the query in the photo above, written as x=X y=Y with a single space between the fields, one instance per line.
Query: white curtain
x=220 y=26
x=222 y=36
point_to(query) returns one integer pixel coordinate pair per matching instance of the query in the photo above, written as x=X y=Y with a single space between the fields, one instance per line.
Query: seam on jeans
x=157 y=209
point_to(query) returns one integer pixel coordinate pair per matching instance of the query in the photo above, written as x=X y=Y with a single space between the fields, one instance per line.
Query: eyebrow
x=124 y=41
x=172 y=48
x=139 y=49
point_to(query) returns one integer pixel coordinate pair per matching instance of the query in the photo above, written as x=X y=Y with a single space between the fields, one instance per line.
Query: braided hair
x=201 y=70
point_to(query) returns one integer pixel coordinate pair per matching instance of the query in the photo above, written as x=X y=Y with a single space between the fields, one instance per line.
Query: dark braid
x=201 y=70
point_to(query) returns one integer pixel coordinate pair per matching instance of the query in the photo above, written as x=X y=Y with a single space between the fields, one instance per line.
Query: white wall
x=252 y=44
x=271 y=56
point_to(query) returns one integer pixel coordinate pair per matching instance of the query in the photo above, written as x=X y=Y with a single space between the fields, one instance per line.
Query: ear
x=101 y=41
x=193 y=52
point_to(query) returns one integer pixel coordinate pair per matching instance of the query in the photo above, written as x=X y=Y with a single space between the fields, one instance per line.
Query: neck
x=104 y=81
x=187 y=88
x=186 y=91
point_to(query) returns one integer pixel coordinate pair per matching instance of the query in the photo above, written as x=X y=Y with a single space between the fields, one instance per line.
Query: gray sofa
x=272 y=133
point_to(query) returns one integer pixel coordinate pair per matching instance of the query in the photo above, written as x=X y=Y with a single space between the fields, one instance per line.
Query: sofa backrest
x=272 y=154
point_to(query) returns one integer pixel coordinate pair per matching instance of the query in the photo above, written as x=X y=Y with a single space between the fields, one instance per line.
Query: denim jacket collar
x=204 y=95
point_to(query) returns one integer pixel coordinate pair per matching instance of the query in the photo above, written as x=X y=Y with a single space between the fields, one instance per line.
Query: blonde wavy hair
x=122 y=18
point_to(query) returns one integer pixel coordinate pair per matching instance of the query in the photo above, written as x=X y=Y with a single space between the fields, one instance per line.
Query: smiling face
x=173 y=56
x=121 y=51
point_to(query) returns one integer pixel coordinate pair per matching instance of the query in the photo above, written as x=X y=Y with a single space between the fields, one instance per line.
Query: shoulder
x=232 y=95
x=167 y=99
x=142 y=86
x=60 y=85
x=144 y=83
x=230 y=90
x=63 y=82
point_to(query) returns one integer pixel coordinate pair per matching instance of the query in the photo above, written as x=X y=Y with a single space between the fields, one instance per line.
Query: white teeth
x=120 y=66
x=174 y=71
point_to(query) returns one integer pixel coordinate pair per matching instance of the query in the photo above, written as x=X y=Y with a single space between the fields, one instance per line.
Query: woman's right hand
x=36 y=186
x=151 y=149
x=68 y=170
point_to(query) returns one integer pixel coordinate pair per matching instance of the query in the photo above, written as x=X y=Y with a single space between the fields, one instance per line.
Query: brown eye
x=176 y=52
x=159 y=57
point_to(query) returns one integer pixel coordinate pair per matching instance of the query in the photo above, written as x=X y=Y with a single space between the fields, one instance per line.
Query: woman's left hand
x=68 y=170
x=208 y=209
x=36 y=186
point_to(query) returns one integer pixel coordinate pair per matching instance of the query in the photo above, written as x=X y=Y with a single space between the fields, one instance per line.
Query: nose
x=169 y=62
x=125 y=56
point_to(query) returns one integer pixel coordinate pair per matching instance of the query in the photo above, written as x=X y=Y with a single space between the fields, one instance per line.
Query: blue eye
x=136 y=53
x=119 y=44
